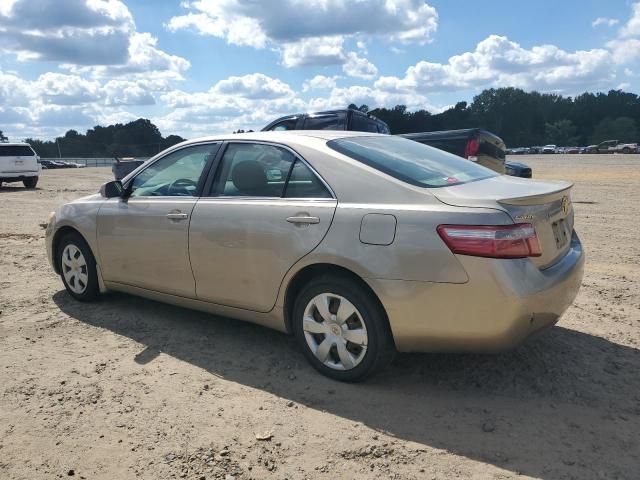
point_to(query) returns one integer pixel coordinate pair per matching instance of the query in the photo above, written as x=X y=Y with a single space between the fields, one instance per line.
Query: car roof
x=295 y=136
x=14 y=144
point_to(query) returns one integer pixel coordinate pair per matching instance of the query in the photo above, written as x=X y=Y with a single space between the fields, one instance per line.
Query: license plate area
x=560 y=233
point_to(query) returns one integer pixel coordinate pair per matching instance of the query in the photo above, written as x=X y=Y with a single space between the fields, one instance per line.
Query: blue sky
x=209 y=66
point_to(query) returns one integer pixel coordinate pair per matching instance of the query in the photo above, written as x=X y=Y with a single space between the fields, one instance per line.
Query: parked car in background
x=572 y=150
x=19 y=163
x=358 y=244
x=50 y=164
x=473 y=144
x=549 y=149
x=613 y=146
x=346 y=119
x=124 y=166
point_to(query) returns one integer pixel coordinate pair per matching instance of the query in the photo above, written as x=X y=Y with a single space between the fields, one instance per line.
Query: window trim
x=215 y=171
x=204 y=176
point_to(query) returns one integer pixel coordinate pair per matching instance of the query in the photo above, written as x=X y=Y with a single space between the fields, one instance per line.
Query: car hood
x=94 y=197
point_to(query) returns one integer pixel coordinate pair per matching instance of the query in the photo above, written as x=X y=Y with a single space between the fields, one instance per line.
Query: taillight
x=471 y=150
x=494 y=241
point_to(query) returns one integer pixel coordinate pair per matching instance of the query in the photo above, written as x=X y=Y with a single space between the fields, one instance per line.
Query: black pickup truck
x=476 y=145
x=473 y=144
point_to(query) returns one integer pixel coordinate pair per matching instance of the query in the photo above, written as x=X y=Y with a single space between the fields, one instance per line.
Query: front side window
x=410 y=161
x=176 y=174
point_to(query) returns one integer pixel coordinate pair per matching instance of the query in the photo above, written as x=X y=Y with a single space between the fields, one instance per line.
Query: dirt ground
x=129 y=388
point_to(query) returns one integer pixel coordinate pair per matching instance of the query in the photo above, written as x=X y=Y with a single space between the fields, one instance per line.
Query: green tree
x=3 y=138
x=562 y=132
x=621 y=128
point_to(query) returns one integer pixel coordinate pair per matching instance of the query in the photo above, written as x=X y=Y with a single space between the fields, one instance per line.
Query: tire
x=78 y=268
x=342 y=292
x=626 y=150
x=30 y=182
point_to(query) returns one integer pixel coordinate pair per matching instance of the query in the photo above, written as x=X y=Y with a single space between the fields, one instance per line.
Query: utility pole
x=58 y=144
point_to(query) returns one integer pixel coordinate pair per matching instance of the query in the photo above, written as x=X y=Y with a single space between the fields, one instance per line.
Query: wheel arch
x=315 y=270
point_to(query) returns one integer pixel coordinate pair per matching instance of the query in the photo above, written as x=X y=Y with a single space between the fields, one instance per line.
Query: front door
x=143 y=239
x=267 y=210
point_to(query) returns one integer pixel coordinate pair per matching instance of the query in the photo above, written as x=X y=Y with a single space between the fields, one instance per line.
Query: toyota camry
x=358 y=244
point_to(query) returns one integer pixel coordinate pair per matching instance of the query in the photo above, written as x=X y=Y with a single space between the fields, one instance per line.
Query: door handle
x=303 y=220
x=177 y=216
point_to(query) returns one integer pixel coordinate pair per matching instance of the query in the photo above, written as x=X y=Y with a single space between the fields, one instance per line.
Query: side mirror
x=112 y=189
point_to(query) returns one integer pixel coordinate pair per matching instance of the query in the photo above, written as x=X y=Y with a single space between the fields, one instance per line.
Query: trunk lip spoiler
x=532 y=199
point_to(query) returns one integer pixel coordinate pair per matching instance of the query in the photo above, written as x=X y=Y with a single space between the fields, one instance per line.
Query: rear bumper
x=504 y=302
x=18 y=175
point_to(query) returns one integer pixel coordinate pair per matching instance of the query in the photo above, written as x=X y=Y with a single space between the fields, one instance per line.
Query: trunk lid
x=546 y=205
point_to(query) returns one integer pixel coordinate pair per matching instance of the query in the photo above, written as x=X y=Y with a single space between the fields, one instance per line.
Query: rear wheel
x=626 y=150
x=342 y=329
x=30 y=182
x=78 y=268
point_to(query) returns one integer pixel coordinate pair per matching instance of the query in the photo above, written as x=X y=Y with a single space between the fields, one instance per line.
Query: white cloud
x=127 y=92
x=242 y=21
x=632 y=27
x=342 y=97
x=309 y=32
x=60 y=89
x=255 y=86
x=609 y=22
x=313 y=51
x=320 y=82
x=75 y=31
x=84 y=35
x=356 y=66
x=498 y=61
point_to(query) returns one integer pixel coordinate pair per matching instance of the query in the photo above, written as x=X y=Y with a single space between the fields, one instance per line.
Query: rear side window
x=253 y=170
x=303 y=183
x=333 y=121
x=410 y=161
x=16 y=151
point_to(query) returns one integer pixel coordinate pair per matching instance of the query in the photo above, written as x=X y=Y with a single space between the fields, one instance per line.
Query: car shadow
x=564 y=405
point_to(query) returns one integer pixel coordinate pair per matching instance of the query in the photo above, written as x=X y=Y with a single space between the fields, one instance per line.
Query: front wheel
x=30 y=182
x=342 y=329
x=78 y=268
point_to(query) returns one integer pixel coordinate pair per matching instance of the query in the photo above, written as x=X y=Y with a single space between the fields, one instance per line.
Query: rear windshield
x=16 y=151
x=410 y=161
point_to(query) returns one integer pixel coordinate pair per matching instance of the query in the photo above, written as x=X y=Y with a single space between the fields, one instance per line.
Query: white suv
x=19 y=162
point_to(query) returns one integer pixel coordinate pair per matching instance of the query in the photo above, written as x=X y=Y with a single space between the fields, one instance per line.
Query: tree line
x=530 y=118
x=139 y=138
x=520 y=118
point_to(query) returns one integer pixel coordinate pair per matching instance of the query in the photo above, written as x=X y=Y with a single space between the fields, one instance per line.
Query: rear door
x=266 y=210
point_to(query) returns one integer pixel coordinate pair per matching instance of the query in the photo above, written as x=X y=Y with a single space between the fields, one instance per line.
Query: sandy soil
x=129 y=388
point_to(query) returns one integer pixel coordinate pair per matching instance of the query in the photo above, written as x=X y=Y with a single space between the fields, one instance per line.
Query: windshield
x=411 y=161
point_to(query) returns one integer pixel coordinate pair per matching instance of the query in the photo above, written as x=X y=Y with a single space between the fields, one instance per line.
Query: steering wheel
x=180 y=185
